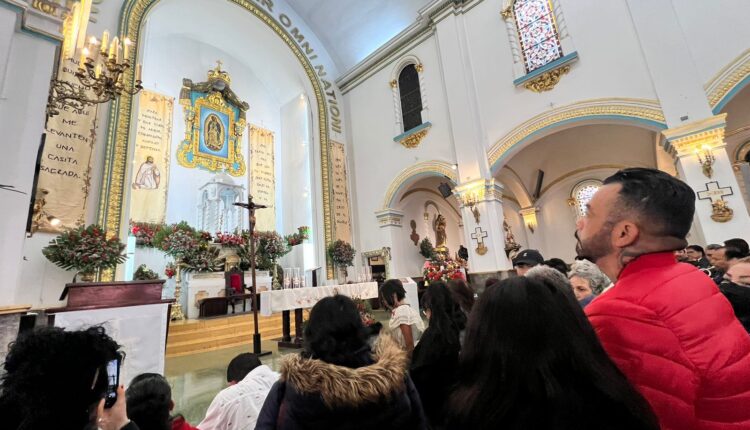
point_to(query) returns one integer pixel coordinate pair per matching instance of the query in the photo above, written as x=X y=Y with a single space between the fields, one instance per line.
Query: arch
x=396 y=90
x=742 y=152
x=412 y=173
x=640 y=112
x=728 y=82
x=132 y=18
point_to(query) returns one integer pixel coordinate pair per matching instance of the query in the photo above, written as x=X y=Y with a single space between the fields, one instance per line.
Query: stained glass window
x=411 y=97
x=537 y=32
x=582 y=194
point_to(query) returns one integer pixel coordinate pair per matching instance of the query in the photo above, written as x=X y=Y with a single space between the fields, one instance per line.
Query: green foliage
x=143 y=273
x=163 y=233
x=341 y=253
x=202 y=258
x=85 y=249
x=426 y=249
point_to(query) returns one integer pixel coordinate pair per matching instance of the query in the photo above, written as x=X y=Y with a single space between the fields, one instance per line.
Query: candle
x=138 y=72
x=113 y=48
x=98 y=71
x=82 y=61
x=126 y=49
x=105 y=40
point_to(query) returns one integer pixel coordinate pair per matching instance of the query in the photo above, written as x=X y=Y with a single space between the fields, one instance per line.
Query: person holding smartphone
x=58 y=379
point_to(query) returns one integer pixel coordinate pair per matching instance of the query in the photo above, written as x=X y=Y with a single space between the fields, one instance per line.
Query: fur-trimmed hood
x=341 y=386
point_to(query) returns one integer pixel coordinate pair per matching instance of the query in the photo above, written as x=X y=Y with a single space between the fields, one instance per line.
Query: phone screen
x=113 y=381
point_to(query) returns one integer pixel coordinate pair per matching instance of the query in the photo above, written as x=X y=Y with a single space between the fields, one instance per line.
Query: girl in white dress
x=405 y=325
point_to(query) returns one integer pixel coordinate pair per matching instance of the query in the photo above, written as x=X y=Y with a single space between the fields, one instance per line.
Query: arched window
x=582 y=194
x=537 y=33
x=411 y=97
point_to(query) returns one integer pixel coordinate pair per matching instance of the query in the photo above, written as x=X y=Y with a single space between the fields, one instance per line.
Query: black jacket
x=739 y=297
x=312 y=394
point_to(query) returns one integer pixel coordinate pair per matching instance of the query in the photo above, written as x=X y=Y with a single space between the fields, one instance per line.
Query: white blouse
x=405 y=314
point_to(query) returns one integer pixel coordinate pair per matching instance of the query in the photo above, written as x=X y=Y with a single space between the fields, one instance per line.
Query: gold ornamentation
x=721 y=212
x=394 y=83
x=529 y=217
x=631 y=108
x=413 y=140
x=118 y=134
x=218 y=74
x=506 y=13
x=481 y=249
x=46 y=6
x=434 y=167
x=547 y=80
x=728 y=78
x=419 y=68
x=696 y=136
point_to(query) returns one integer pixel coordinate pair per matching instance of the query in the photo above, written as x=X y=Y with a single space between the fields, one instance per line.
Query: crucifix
x=251 y=207
x=720 y=211
x=218 y=64
x=479 y=235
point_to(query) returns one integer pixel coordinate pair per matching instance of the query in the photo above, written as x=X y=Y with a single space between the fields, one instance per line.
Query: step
x=238 y=330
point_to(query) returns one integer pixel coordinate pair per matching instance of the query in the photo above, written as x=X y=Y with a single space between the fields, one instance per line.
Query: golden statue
x=721 y=212
x=440 y=235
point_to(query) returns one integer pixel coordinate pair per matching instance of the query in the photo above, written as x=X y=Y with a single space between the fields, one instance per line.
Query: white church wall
x=413 y=207
x=375 y=155
x=610 y=63
x=716 y=32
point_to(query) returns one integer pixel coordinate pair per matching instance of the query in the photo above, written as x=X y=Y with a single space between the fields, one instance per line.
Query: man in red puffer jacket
x=665 y=324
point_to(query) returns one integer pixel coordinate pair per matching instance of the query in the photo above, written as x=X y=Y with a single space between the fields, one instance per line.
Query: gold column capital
x=686 y=139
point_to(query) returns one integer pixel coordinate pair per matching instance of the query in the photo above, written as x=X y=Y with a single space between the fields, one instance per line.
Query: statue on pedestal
x=441 y=237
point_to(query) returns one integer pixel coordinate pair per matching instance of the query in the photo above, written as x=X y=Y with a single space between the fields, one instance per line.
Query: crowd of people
x=642 y=331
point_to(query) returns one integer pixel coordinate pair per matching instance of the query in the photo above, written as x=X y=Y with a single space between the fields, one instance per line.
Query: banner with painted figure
x=64 y=175
x=341 y=210
x=262 y=177
x=150 y=178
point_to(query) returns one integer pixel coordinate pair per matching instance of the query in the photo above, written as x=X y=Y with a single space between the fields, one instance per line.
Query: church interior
x=185 y=172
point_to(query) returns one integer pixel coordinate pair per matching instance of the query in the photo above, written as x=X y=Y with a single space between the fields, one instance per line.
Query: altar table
x=300 y=298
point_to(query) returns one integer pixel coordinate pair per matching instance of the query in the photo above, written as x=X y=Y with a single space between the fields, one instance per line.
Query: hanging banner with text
x=66 y=161
x=340 y=193
x=262 y=177
x=150 y=179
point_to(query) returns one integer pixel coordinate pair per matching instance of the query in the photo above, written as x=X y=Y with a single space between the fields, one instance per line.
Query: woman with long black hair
x=338 y=382
x=435 y=361
x=531 y=360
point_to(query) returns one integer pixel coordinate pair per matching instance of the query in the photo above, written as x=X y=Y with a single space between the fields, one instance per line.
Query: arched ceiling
x=353 y=29
x=239 y=34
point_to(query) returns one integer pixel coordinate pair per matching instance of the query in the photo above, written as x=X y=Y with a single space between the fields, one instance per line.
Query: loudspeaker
x=539 y=180
x=445 y=190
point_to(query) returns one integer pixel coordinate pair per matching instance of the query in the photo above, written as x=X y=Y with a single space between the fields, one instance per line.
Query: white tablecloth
x=296 y=298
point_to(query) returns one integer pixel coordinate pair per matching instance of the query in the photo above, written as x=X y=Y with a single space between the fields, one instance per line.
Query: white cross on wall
x=714 y=193
x=479 y=235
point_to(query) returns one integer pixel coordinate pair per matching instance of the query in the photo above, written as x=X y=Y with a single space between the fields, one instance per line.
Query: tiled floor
x=195 y=379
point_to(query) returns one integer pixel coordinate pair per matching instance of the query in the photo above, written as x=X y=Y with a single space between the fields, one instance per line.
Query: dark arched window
x=411 y=97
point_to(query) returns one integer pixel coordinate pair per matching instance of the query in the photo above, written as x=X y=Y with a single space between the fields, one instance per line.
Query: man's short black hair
x=659 y=200
x=738 y=244
x=731 y=253
x=697 y=248
x=557 y=264
x=241 y=365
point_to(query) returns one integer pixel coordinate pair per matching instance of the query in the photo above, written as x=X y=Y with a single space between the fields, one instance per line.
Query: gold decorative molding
x=419 y=68
x=478 y=191
x=698 y=135
x=547 y=80
x=118 y=135
x=640 y=109
x=393 y=84
x=414 y=139
x=721 y=212
x=727 y=78
x=506 y=13
x=425 y=168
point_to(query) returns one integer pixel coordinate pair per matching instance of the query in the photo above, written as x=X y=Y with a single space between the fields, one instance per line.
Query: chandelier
x=102 y=66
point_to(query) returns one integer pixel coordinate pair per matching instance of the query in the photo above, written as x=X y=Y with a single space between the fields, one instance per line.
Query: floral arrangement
x=294 y=239
x=179 y=243
x=85 y=249
x=426 y=249
x=229 y=240
x=271 y=245
x=143 y=273
x=365 y=311
x=144 y=233
x=170 y=270
x=341 y=254
x=161 y=235
x=444 y=270
x=202 y=258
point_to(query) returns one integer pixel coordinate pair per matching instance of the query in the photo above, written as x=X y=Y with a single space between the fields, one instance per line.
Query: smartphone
x=113 y=381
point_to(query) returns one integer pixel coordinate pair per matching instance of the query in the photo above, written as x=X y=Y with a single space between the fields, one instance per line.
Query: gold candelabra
x=706 y=159
x=101 y=71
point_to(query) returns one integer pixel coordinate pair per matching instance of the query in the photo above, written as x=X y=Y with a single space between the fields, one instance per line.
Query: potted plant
x=143 y=273
x=426 y=249
x=87 y=250
x=342 y=256
x=271 y=246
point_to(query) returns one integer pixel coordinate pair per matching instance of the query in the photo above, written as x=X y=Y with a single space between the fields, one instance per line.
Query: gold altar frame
x=112 y=191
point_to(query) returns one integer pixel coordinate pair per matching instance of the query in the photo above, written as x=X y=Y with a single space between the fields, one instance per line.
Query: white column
x=27 y=53
x=693 y=125
x=390 y=221
x=716 y=187
x=482 y=214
